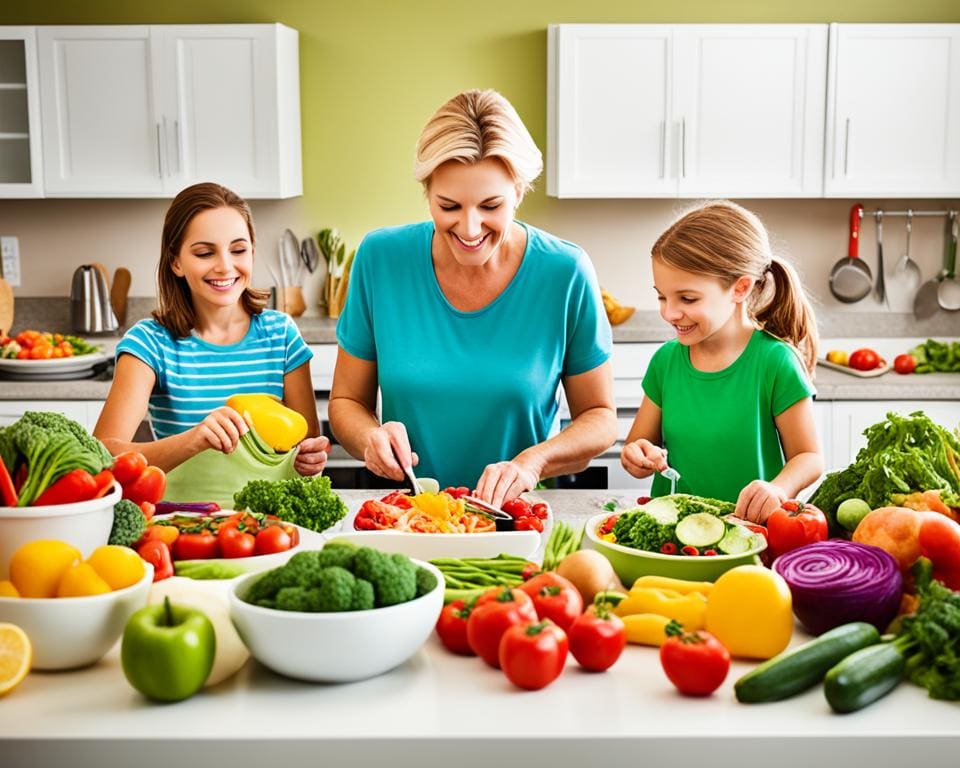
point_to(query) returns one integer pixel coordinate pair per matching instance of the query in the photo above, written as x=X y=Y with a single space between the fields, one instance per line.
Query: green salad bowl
x=630 y=564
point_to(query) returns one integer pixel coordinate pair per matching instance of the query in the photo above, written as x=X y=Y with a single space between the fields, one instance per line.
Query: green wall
x=373 y=71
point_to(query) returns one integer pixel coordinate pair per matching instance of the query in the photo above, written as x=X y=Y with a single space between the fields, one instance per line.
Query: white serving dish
x=427 y=546
x=335 y=647
x=69 y=632
x=54 y=365
x=86 y=525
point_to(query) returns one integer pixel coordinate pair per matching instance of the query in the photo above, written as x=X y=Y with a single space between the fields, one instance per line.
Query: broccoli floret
x=305 y=501
x=129 y=523
x=267 y=586
x=426 y=581
x=337 y=555
x=336 y=589
x=60 y=423
x=8 y=449
x=363 y=597
x=302 y=599
x=394 y=577
x=304 y=568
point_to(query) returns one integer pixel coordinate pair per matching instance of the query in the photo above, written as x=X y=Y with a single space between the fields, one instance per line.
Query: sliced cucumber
x=661 y=509
x=700 y=529
x=736 y=541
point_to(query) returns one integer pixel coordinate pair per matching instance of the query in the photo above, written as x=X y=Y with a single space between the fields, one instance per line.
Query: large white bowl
x=68 y=632
x=335 y=647
x=86 y=525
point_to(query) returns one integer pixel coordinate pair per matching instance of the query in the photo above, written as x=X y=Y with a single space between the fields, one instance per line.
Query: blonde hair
x=726 y=241
x=473 y=126
x=175 y=310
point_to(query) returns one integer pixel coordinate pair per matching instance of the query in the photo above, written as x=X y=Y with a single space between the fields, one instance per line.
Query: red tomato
x=554 y=598
x=196 y=546
x=148 y=487
x=452 y=628
x=128 y=466
x=157 y=554
x=695 y=662
x=517 y=508
x=904 y=363
x=597 y=638
x=459 y=492
x=235 y=543
x=532 y=655
x=497 y=610
x=272 y=539
x=794 y=525
x=528 y=523
x=864 y=360
x=540 y=510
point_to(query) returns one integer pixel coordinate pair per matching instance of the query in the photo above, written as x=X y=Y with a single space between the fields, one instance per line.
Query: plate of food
x=444 y=524
x=38 y=355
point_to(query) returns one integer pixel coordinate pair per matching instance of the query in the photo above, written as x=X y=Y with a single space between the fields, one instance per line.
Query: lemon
x=80 y=580
x=837 y=356
x=118 y=566
x=37 y=567
x=8 y=590
x=15 y=656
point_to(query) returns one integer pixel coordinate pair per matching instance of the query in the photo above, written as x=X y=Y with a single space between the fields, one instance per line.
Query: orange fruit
x=7 y=589
x=37 y=567
x=15 y=656
x=80 y=580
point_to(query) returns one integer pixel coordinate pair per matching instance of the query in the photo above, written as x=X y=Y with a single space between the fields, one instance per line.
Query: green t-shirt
x=719 y=426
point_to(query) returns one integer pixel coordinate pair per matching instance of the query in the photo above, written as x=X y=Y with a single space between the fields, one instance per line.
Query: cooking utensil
x=118 y=293
x=309 y=254
x=672 y=475
x=850 y=278
x=6 y=307
x=907 y=273
x=408 y=471
x=880 y=286
x=290 y=258
x=488 y=509
x=948 y=292
x=927 y=304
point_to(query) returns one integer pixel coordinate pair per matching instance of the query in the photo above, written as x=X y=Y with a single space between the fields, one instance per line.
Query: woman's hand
x=759 y=500
x=388 y=451
x=641 y=458
x=506 y=480
x=312 y=456
x=220 y=430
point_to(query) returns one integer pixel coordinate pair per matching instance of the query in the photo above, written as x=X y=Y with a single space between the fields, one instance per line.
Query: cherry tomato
x=794 y=525
x=272 y=539
x=597 y=638
x=533 y=655
x=128 y=466
x=864 y=360
x=554 y=598
x=148 y=487
x=452 y=628
x=528 y=523
x=904 y=363
x=540 y=510
x=517 y=508
x=196 y=546
x=459 y=492
x=695 y=662
x=497 y=610
x=235 y=543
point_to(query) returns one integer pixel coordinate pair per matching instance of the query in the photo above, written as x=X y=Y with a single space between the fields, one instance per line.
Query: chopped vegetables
x=305 y=501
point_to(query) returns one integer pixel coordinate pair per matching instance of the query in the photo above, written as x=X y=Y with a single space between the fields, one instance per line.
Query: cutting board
x=853 y=371
x=6 y=307
x=118 y=293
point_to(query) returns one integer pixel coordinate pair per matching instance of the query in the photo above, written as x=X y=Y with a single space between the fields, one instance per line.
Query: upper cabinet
x=20 y=151
x=143 y=111
x=893 y=111
x=637 y=110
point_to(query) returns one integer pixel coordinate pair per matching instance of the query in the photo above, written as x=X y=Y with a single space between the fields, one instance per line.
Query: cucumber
x=700 y=529
x=736 y=541
x=661 y=509
x=798 y=669
x=863 y=677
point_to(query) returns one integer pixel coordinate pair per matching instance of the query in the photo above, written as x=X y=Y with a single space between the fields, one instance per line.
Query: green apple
x=851 y=512
x=167 y=651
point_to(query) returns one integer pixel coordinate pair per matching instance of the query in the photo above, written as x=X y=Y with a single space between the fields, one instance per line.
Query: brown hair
x=473 y=126
x=726 y=241
x=175 y=310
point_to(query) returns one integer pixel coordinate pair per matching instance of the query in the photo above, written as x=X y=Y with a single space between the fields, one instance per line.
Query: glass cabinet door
x=19 y=117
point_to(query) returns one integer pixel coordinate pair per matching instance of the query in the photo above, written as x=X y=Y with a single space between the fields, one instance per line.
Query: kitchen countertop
x=440 y=709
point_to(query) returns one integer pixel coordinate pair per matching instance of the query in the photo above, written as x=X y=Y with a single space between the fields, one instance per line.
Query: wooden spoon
x=6 y=307
x=118 y=293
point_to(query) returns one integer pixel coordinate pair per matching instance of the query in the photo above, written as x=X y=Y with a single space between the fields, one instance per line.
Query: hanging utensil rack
x=909 y=212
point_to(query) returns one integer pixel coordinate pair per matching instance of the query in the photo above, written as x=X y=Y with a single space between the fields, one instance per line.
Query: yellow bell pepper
x=750 y=611
x=280 y=427
x=646 y=628
x=688 y=609
x=677 y=585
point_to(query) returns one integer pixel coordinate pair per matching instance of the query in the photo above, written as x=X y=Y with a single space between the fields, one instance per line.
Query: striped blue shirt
x=194 y=377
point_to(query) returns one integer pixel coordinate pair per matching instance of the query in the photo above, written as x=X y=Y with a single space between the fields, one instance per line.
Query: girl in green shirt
x=731 y=396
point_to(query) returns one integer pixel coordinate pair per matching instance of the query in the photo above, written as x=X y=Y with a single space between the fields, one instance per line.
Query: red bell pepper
x=8 y=494
x=104 y=481
x=939 y=539
x=157 y=554
x=149 y=486
x=76 y=485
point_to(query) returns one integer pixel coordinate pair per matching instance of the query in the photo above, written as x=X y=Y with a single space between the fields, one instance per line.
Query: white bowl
x=335 y=647
x=68 y=632
x=85 y=524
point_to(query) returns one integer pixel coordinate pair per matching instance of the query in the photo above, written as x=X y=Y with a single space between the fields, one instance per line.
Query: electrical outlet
x=10 y=250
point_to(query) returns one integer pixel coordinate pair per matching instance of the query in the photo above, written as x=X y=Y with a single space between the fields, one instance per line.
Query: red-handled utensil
x=850 y=278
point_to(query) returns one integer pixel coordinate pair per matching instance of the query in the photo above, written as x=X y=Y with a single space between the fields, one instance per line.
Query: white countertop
x=441 y=709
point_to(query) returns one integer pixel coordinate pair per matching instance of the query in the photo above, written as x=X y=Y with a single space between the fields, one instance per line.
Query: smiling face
x=472 y=206
x=699 y=307
x=216 y=258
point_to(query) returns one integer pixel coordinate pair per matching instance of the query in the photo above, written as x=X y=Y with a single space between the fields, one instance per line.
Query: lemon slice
x=15 y=655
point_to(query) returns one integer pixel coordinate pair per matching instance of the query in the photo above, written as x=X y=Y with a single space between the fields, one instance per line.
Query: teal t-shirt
x=719 y=426
x=472 y=388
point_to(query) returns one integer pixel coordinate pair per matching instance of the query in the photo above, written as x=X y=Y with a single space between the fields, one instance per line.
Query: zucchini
x=736 y=541
x=863 y=677
x=700 y=529
x=800 y=668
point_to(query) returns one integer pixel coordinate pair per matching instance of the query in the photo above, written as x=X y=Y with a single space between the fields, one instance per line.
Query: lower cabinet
x=85 y=412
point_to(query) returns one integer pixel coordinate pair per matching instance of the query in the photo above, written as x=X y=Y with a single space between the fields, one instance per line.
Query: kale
x=305 y=501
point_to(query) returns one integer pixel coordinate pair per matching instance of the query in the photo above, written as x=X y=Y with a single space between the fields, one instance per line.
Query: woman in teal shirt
x=469 y=322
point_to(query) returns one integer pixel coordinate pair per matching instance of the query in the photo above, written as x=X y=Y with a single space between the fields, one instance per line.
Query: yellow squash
x=280 y=427
x=677 y=585
x=688 y=609
x=750 y=611
x=646 y=628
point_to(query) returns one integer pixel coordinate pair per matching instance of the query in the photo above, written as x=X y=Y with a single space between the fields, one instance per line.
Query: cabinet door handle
x=683 y=147
x=846 y=148
x=159 y=156
x=176 y=134
x=663 y=148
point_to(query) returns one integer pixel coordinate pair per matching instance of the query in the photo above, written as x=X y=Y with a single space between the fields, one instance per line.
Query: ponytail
x=788 y=314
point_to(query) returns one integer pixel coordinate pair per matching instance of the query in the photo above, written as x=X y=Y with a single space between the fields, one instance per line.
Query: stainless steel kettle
x=90 y=310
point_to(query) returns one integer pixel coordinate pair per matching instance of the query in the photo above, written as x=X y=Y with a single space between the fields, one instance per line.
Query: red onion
x=835 y=582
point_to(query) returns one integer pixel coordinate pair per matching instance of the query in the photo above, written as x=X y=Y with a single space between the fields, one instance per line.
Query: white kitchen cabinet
x=893 y=111
x=85 y=412
x=637 y=110
x=143 y=111
x=21 y=172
